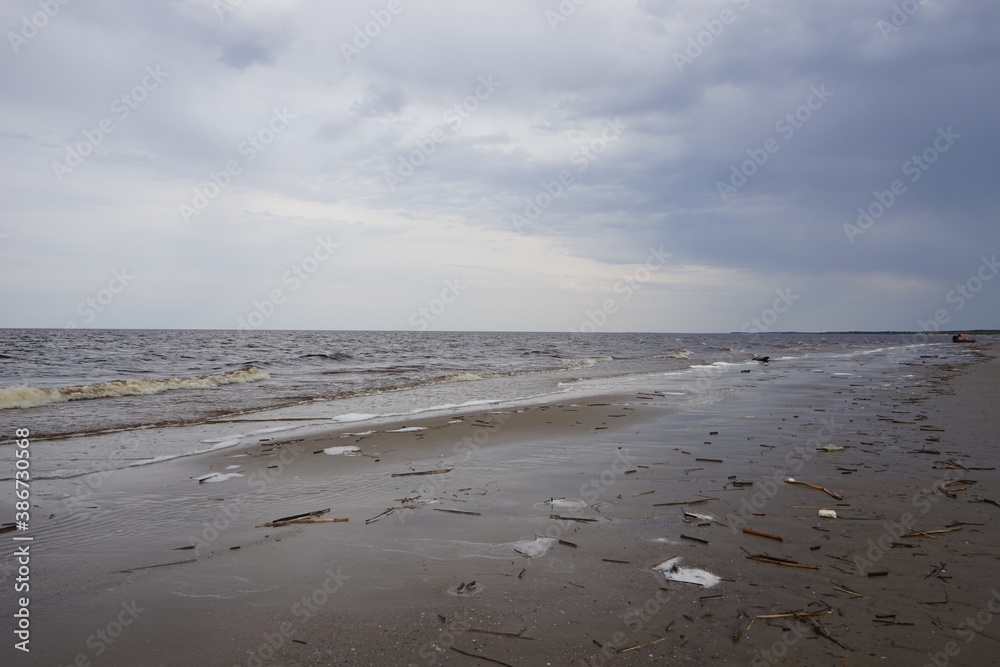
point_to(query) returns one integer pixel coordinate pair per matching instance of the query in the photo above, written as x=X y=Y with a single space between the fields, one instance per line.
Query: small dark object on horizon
x=762 y=359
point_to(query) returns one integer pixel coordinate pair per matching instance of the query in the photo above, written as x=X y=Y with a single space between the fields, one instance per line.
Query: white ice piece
x=672 y=571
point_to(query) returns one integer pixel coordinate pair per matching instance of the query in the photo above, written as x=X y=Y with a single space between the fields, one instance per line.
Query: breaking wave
x=23 y=396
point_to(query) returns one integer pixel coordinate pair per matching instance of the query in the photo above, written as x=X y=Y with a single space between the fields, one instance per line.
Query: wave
x=336 y=356
x=23 y=396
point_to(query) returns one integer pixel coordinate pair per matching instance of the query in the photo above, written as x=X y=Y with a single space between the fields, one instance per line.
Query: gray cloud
x=277 y=122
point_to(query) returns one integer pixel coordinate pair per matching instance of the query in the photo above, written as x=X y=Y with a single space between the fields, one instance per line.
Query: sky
x=532 y=165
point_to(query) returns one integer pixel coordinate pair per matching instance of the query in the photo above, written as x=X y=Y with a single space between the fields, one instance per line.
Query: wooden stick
x=293 y=517
x=495 y=632
x=684 y=502
x=481 y=657
x=379 y=516
x=439 y=471
x=760 y=533
x=833 y=494
x=572 y=518
x=780 y=561
x=147 y=567
x=639 y=646
x=441 y=509
x=308 y=519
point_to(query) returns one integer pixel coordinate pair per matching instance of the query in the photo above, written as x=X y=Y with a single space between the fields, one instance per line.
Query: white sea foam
x=23 y=396
x=352 y=417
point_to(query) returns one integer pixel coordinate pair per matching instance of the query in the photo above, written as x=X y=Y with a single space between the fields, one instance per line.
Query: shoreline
x=390 y=589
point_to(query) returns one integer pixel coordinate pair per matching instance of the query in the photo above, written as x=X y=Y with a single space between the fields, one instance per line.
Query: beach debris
x=614 y=560
x=579 y=519
x=649 y=643
x=710 y=460
x=760 y=533
x=7 y=527
x=845 y=589
x=408 y=429
x=949 y=489
x=672 y=571
x=937 y=569
x=566 y=543
x=305 y=517
x=442 y=509
x=642 y=493
x=697 y=501
x=790 y=614
x=148 y=567
x=931 y=533
x=566 y=503
x=828 y=514
x=986 y=500
x=349 y=450
x=703 y=517
x=439 y=471
x=496 y=633
x=825 y=490
x=533 y=548
x=481 y=657
x=879 y=573
x=217 y=477
x=820 y=629
x=830 y=448
x=777 y=560
x=693 y=539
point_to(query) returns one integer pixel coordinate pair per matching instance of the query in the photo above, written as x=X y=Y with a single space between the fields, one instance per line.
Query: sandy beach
x=530 y=536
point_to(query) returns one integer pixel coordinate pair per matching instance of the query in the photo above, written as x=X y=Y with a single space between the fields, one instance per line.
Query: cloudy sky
x=612 y=165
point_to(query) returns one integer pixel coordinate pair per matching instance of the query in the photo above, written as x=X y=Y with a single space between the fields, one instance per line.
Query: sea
x=107 y=399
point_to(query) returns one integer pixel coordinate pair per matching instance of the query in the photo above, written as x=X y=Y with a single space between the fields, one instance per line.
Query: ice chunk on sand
x=533 y=548
x=217 y=476
x=349 y=450
x=688 y=575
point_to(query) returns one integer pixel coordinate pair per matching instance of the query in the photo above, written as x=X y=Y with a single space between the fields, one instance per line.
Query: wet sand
x=623 y=470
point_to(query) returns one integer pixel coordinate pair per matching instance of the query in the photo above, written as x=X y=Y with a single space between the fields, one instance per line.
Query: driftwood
x=277 y=523
x=787 y=562
x=825 y=490
x=440 y=471
x=760 y=533
x=579 y=519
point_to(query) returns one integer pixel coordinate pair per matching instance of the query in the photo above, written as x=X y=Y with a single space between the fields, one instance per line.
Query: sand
x=560 y=514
